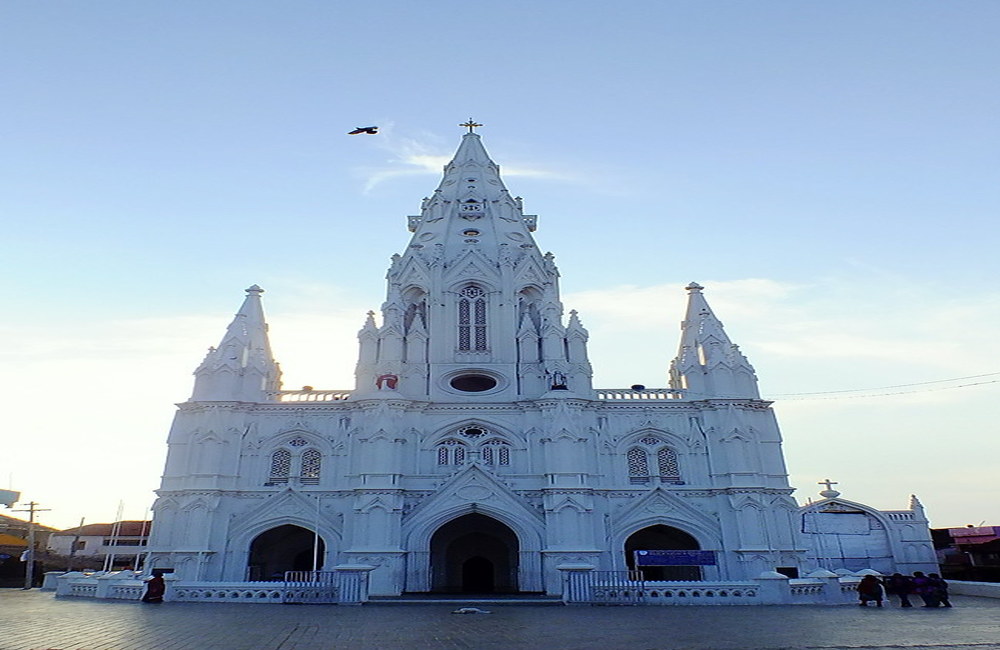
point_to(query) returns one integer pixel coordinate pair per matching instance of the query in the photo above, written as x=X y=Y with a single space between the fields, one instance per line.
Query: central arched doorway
x=284 y=548
x=474 y=554
x=662 y=538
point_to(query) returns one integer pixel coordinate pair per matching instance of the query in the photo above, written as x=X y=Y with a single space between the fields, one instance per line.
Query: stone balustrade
x=309 y=395
x=226 y=592
x=630 y=394
x=347 y=584
x=582 y=584
x=607 y=394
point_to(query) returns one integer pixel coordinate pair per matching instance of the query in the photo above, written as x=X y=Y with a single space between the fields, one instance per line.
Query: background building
x=121 y=543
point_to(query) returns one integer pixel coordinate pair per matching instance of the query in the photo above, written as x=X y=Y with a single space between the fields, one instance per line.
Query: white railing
x=311 y=587
x=585 y=585
x=347 y=584
x=235 y=592
x=708 y=593
x=308 y=395
x=630 y=394
x=616 y=588
x=83 y=590
x=126 y=592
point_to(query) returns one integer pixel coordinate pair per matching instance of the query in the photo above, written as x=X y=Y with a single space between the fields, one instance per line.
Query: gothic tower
x=473 y=310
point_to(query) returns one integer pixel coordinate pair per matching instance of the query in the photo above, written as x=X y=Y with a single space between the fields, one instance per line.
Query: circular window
x=473 y=383
x=471 y=232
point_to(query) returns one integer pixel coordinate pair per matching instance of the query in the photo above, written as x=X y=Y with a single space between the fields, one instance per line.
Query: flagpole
x=316 y=538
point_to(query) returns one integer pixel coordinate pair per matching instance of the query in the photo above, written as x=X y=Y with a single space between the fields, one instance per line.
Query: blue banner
x=675 y=558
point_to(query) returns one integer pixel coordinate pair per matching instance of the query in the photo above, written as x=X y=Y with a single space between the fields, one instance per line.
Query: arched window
x=281 y=464
x=652 y=451
x=472 y=319
x=638 y=466
x=495 y=452
x=415 y=311
x=311 y=463
x=451 y=452
x=666 y=462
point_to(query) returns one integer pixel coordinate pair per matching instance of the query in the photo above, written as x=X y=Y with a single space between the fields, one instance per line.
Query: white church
x=474 y=455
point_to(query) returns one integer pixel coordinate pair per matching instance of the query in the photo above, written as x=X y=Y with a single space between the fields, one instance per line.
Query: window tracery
x=451 y=452
x=655 y=452
x=472 y=319
x=312 y=461
x=495 y=452
x=492 y=450
x=308 y=463
x=281 y=464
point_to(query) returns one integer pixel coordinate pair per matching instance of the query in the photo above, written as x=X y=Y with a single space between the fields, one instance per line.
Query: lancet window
x=652 y=452
x=307 y=460
x=311 y=463
x=495 y=452
x=281 y=464
x=451 y=452
x=472 y=319
x=491 y=449
x=415 y=312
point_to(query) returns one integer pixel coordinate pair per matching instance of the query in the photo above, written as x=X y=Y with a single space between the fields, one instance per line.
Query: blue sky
x=829 y=171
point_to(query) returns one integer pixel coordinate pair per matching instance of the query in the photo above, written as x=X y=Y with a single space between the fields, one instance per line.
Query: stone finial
x=694 y=287
x=254 y=289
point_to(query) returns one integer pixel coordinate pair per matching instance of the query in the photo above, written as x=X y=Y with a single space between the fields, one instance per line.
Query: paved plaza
x=35 y=620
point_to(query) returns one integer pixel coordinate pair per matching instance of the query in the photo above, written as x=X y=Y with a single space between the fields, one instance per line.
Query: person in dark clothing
x=939 y=589
x=900 y=586
x=155 y=588
x=923 y=588
x=870 y=589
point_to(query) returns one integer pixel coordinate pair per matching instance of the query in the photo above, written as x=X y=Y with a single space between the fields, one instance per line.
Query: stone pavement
x=34 y=620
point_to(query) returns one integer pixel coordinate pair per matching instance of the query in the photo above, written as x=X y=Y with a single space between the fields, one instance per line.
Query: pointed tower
x=242 y=368
x=708 y=365
x=472 y=309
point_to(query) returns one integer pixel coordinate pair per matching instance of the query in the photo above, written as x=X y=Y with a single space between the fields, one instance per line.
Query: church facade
x=474 y=453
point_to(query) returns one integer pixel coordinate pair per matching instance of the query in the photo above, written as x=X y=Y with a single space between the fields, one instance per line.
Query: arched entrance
x=474 y=554
x=280 y=549
x=662 y=538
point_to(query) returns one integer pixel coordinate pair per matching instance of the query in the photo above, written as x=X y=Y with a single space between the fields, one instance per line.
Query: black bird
x=370 y=130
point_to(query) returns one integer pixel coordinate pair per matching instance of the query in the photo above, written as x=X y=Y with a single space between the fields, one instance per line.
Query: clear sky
x=827 y=170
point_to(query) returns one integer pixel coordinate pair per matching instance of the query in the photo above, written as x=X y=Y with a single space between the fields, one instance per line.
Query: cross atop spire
x=829 y=492
x=471 y=124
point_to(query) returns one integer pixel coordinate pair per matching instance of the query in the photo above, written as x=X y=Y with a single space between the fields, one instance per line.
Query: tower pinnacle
x=708 y=365
x=242 y=367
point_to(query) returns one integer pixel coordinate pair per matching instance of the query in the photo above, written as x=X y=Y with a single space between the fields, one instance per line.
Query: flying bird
x=370 y=130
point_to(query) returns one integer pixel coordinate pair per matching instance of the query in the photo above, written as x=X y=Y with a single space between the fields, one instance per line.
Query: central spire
x=472 y=307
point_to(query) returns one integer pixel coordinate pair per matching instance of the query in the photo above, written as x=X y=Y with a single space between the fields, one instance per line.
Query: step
x=471 y=600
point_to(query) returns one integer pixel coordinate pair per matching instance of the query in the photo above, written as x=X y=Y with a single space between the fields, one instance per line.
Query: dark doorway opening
x=285 y=548
x=477 y=575
x=474 y=554
x=662 y=538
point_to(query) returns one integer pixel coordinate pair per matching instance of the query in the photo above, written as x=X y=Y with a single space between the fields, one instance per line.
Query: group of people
x=931 y=589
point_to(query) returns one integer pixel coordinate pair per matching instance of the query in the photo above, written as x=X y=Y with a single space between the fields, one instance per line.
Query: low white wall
x=984 y=589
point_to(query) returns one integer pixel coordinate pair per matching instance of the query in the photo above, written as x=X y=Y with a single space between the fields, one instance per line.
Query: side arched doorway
x=474 y=554
x=284 y=548
x=662 y=538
